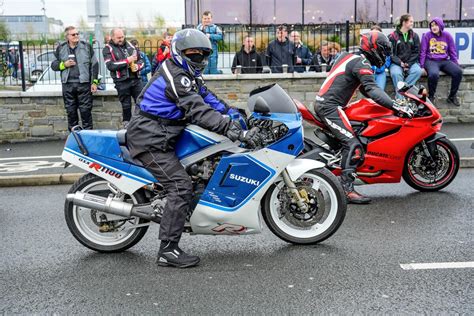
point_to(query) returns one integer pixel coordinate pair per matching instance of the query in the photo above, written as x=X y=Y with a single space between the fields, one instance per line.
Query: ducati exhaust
x=113 y=206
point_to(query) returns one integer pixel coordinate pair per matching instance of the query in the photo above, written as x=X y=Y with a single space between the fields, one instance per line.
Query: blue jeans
x=397 y=74
x=212 y=66
x=381 y=80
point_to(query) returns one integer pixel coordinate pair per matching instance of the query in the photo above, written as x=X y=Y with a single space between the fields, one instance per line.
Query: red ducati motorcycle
x=395 y=147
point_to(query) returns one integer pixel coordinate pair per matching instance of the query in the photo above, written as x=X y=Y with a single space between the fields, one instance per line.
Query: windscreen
x=277 y=99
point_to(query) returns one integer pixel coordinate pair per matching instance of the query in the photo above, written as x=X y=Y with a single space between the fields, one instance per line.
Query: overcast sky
x=122 y=12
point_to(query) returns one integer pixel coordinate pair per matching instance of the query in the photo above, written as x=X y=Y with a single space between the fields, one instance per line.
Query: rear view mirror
x=261 y=106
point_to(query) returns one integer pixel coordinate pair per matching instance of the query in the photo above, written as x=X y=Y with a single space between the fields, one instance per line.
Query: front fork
x=299 y=197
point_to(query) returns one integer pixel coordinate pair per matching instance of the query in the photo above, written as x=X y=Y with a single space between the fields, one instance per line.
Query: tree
x=159 y=22
x=4 y=32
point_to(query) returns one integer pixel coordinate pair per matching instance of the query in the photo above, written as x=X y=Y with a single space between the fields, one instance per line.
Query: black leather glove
x=251 y=137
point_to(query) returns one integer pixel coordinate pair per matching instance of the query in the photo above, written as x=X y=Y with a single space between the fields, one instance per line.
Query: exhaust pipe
x=113 y=206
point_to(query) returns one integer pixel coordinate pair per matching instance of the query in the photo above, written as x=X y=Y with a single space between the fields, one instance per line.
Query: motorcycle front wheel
x=326 y=208
x=100 y=231
x=425 y=173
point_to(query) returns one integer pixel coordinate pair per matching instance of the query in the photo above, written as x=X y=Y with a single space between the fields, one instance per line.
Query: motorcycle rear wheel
x=420 y=175
x=82 y=222
x=327 y=214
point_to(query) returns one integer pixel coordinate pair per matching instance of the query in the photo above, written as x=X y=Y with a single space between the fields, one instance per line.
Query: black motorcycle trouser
x=78 y=96
x=337 y=121
x=170 y=173
x=126 y=90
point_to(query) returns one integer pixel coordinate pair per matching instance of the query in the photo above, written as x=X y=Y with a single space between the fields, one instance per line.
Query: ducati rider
x=175 y=96
x=349 y=72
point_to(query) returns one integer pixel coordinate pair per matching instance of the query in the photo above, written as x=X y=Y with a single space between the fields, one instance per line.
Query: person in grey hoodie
x=438 y=53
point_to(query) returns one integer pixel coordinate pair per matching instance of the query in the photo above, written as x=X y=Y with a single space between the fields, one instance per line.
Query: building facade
x=255 y=12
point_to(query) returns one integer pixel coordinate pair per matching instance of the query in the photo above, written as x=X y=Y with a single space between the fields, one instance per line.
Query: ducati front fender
x=299 y=166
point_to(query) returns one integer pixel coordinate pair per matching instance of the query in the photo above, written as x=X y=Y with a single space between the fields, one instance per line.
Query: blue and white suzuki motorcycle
x=111 y=207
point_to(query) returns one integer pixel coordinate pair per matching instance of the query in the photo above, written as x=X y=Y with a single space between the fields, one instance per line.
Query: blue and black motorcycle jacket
x=170 y=100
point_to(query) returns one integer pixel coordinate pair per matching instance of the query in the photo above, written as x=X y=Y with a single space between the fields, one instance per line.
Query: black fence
x=35 y=60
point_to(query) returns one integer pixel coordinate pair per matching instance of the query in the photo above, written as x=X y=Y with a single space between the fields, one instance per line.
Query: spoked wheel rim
x=84 y=220
x=317 y=223
x=424 y=174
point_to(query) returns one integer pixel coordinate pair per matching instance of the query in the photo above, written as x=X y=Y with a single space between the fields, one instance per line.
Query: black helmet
x=376 y=47
x=186 y=39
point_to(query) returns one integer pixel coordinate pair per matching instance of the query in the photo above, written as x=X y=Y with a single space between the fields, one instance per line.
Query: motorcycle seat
x=122 y=137
x=122 y=140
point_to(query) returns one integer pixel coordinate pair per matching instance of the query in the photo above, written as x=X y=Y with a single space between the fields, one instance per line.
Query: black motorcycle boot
x=353 y=197
x=170 y=255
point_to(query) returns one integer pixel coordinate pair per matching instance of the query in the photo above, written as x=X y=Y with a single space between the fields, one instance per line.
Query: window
x=226 y=12
x=445 y=9
x=328 y=11
x=467 y=10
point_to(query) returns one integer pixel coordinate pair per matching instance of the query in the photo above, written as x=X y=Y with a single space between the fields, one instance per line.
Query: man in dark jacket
x=248 y=58
x=405 y=53
x=124 y=63
x=322 y=60
x=304 y=56
x=79 y=71
x=175 y=96
x=281 y=51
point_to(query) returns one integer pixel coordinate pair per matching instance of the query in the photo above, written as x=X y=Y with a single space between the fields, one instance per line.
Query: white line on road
x=437 y=265
x=26 y=158
x=460 y=139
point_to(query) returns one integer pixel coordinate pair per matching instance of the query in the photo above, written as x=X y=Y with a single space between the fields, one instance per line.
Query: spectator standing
x=124 y=63
x=323 y=57
x=438 y=52
x=248 y=58
x=163 y=53
x=146 y=62
x=214 y=33
x=79 y=68
x=304 y=56
x=405 y=53
x=379 y=72
x=13 y=61
x=280 y=51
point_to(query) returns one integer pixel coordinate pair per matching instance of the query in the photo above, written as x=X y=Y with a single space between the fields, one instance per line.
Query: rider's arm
x=210 y=98
x=193 y=105
x=363 y=71
x=113 y=65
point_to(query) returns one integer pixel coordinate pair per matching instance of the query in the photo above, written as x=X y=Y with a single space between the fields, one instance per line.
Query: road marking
x=437 y=265
x=460 y=139
x=25 y=158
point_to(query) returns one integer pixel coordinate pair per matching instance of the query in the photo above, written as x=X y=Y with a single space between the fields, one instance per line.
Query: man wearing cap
x=79 y=68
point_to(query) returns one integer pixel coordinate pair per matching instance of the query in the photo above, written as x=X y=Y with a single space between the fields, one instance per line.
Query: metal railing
x=35 y=59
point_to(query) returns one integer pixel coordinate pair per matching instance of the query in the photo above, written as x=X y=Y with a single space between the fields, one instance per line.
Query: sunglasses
x=74 y=34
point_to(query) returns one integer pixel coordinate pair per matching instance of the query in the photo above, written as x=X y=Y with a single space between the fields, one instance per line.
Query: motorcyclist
x=175 y=96
x=352 y=71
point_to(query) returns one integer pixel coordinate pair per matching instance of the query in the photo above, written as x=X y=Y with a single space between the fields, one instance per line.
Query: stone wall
x=30 y=116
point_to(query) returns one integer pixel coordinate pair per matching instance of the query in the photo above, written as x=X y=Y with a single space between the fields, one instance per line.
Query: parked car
x=38 y=64
x=50 y=80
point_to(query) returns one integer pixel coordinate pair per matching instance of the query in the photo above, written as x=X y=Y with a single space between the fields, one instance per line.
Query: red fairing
x=307 y=115
x=366 y=109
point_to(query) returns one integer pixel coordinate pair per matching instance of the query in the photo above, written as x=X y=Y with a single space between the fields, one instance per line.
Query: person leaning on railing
x=281 y=51
x=79 y=76
x=247 y=58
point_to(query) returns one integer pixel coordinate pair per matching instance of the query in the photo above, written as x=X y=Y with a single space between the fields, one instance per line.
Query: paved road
x=47 y=154
x=44 y=270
